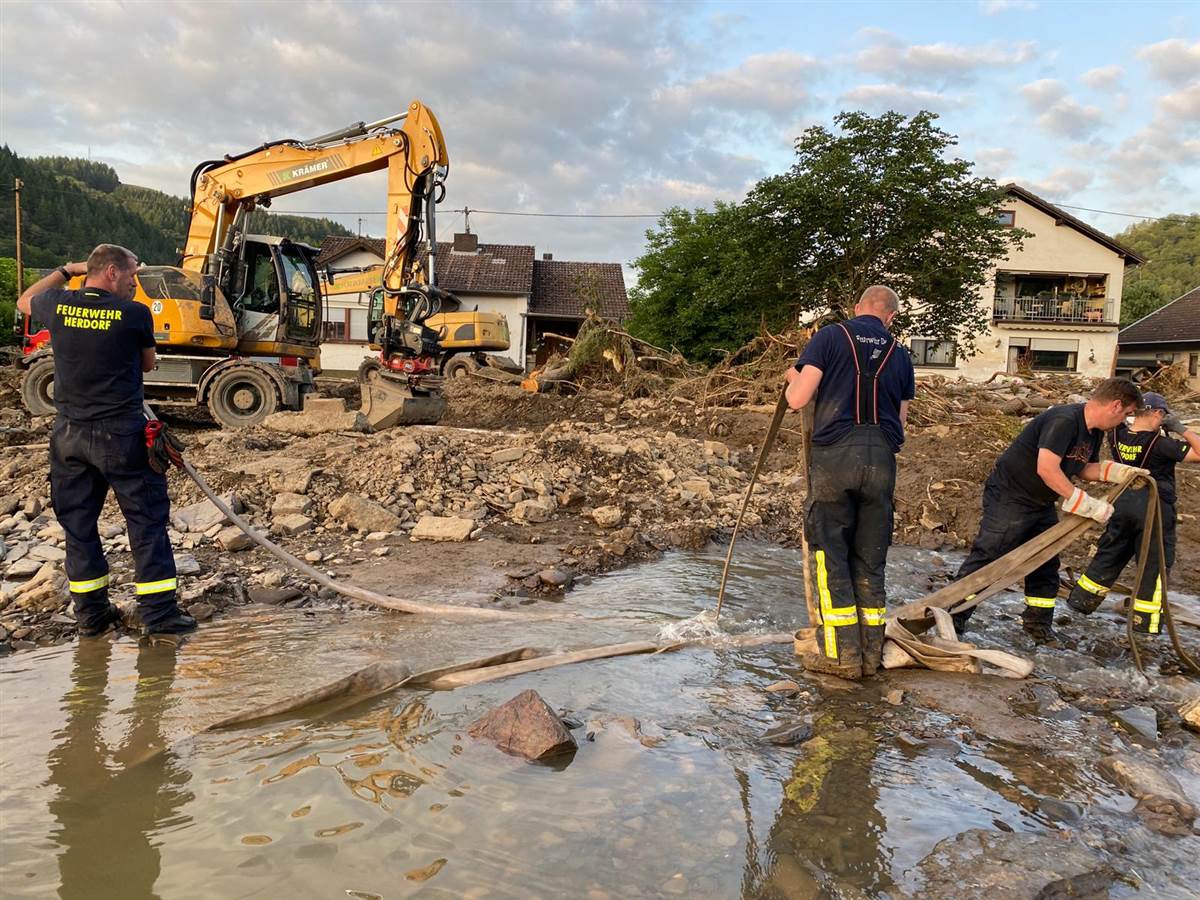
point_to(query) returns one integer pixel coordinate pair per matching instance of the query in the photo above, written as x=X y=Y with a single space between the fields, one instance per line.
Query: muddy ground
x=550 y=486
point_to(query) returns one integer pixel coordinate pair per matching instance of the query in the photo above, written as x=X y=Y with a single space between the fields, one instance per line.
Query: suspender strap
x=866 y=385
x=1143 y=454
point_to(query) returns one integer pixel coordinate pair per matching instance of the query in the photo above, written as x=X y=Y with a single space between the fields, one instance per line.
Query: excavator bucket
x=386 y=403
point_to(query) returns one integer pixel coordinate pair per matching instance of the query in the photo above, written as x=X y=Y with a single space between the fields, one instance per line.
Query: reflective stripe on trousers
x=88 y=585
x=1151 y=607
x=155 y=587
x=1041 y=602
x=1091 y=587
x=832 y=617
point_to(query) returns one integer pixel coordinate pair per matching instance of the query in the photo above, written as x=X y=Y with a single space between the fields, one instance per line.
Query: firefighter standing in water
x=862 y=382
x=103 y=343
x=1143 y=445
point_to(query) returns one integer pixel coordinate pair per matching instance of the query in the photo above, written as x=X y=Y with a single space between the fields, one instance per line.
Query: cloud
x=1057 y=112
x=1062 y=183
x=1174 y=61
x=943 y=63
x=772 y=83
x=882 y=97
x=993 y=161
x=995 y=7
x=1105 y=78
x=1182 y=108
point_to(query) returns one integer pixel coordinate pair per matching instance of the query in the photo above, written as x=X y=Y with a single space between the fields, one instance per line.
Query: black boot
x=1084 y=601
x=95 y=621
x=1039 y=625
x=163 y=616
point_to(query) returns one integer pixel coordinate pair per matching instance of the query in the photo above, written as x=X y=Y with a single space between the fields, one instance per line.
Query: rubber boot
x=848 y=667
x=163 y=616
x=1039 y=625
x=1083 y=601
x=94 y=621
x=179 y=623
x=872 y=652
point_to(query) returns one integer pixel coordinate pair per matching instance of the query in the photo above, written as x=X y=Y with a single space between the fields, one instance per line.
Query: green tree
x=881 y=201
x=8 y=297
x=1171 y=247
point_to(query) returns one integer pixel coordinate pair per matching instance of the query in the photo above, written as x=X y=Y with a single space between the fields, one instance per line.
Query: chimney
x=547 y=256
x=466 y=243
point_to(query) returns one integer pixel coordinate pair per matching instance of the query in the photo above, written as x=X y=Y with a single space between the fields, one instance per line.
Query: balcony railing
x=1054 y=309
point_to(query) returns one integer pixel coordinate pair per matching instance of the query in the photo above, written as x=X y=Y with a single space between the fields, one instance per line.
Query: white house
x=1054 y=305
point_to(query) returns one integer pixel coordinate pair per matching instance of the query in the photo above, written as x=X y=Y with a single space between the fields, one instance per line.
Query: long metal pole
x=17 y=185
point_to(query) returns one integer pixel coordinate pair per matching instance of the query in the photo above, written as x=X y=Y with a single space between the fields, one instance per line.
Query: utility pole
x=20 y=259
x=360 y=226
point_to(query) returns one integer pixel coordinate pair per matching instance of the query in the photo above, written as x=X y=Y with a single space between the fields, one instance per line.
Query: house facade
x=1054 y=305
x=535 y=296
x=1168 y=336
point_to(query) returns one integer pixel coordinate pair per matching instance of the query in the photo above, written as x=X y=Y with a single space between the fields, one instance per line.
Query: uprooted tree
x=880 y=201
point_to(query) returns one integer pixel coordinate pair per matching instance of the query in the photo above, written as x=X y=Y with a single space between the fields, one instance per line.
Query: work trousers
x=1120 y=543
x=849 y=525
x=1006 y=525
x=86 y=459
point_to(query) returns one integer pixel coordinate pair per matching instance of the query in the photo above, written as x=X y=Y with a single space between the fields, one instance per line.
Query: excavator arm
x=224 y=192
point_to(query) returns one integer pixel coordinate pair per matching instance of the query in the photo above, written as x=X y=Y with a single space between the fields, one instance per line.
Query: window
x=1007 y=217
x=335 y=330
x=1193 y=364
x=358 y=324
x=927 y=352
x=1042 y=355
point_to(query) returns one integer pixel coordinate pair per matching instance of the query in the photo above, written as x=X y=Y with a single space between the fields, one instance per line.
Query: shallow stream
x=106 y=792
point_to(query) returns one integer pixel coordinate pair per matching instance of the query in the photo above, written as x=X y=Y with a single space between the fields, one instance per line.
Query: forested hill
x=68 y=206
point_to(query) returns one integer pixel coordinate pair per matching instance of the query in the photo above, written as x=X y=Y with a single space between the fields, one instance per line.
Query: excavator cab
x=277 y=297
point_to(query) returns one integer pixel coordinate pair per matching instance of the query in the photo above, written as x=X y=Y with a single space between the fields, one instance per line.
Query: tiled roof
x=494 y=269
x=562 y=288
x=336 y=246
x=1065 y=218
x=1177 y=322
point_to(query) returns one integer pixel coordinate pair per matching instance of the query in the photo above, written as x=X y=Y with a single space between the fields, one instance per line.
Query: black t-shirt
x=98 y=341
x=1063 y=431
x=836 y=401
x=1150 y=450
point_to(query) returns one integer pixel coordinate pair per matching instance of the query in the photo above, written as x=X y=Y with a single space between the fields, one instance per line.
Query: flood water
x=106 y=791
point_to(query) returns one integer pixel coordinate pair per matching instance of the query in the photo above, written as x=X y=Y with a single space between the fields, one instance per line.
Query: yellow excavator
x=239 y=322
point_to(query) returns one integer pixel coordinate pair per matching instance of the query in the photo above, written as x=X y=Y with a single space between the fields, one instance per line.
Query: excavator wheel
x=37 y=388
x=370 y=371
x=242 y=396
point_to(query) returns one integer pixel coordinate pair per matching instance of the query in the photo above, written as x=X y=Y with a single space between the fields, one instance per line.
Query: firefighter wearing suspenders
x=1146 y=447
x=861 y=383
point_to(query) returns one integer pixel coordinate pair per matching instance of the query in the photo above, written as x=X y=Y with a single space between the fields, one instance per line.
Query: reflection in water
x=108 y=805
x=826 y=838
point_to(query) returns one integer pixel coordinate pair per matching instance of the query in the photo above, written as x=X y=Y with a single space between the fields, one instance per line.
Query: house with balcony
x=1054 y=305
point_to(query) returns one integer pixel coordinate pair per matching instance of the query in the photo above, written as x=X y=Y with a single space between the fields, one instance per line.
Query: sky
x=614 y=108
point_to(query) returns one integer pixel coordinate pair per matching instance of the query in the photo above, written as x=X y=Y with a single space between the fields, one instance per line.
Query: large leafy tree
x=1171 y=247
x=881 y=200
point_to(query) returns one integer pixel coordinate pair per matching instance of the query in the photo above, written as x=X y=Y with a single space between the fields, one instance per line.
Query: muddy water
x=105 y=791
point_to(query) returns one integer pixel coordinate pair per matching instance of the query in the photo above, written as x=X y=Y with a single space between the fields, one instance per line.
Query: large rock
x=319 y=419
x=508 y=454
x=287 y=504
x=1190 y=712
x=608 y=516
x=200 y=517
x=1162 y=803
x=443 y=528
x=361 y=514
x=232 y=538
x=996 y=865
x=291 y=524
x=525 y=726
x=531 y=512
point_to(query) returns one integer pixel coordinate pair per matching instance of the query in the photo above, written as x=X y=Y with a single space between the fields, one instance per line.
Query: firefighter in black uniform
x=1143 y=445
x=103 y=342
x=1019 y=495
x=862 y=382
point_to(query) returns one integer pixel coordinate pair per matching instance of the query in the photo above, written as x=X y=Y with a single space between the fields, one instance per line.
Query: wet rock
x=1190 y=713
x=361 y=514
x=786 y=688
x=608 y=516
x=993 y=864
x=1060 y=810
x=895 y=697
x=1162 y=803
x=287 y=504
x=199 y=517
x=201 y=612
x=442 y=528
x=186 y=564
x=787 y=734
x=232 y=538
x=1141 y=720
x=1093 y=885
x=555 y=578
x=273 y=596
x=293 y=524
x=525 y=726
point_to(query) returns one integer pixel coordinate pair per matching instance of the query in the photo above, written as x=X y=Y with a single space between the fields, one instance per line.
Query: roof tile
x=562 y=288
x=1176 y=322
